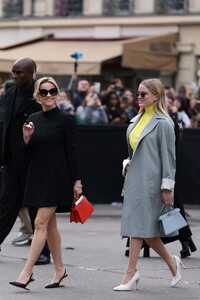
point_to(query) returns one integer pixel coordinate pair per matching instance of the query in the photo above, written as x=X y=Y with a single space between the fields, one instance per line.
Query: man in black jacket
x=18 y=105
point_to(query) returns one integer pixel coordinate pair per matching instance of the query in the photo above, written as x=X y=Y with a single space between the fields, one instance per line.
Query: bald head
x=23 y=72
x=27 y=63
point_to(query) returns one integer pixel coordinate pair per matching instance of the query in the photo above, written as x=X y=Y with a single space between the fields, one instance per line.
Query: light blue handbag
x=171 y=221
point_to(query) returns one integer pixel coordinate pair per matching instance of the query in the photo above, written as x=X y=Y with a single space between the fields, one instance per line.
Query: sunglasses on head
x=52 y=92
x=140 y=94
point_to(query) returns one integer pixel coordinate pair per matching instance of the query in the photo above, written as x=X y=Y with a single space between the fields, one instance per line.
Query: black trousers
x=11 y=199
x=13 y=181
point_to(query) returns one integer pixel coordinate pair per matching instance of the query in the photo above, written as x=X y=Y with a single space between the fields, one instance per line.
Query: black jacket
x=13 y=120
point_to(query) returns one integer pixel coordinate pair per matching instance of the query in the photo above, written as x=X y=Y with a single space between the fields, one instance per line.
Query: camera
x=77 y=55
x=94 y=95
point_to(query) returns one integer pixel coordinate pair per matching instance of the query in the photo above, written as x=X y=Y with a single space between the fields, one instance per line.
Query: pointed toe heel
x=177 y=278
x=128 y=286
x=56 y=284
x=22 y=285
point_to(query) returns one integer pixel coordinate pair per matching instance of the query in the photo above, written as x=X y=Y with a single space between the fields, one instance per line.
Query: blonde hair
x=44 y=80
x=156 y=87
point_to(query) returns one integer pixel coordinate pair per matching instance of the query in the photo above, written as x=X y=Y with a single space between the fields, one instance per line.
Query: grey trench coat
x=152 y=168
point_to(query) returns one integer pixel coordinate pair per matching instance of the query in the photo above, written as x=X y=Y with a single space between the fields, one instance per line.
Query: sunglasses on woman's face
x=140 y=94
x=52 y=92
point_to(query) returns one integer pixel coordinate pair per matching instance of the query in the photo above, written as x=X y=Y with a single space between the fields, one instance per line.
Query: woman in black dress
x=53 y=176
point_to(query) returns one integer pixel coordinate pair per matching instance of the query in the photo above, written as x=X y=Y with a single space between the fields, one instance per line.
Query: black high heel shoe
x=22 y=285
x=56 y=284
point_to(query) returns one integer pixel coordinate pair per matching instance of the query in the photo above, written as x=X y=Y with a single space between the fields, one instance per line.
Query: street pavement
x=93 y=254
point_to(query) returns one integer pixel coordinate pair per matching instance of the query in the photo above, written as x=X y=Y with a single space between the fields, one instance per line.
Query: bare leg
x=54 y=242
x=43 y=217
x=157 y=245
x=135 y=247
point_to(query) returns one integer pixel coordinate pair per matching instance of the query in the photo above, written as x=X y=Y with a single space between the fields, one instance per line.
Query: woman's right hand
x=28 y=130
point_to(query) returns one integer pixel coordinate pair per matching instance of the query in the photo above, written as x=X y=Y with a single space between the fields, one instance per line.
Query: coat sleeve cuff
x=125 y=165
x=167 y=184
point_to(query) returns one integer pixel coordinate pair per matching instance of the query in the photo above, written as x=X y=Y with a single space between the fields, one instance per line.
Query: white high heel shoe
x=177 y=277
x=128 y=285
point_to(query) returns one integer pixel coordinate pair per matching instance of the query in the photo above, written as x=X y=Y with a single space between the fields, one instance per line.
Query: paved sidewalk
x=93 y=255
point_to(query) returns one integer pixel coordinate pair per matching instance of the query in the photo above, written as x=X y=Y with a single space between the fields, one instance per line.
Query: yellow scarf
x=139 y=127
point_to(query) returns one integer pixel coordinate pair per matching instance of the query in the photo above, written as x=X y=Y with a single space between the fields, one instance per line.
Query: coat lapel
x=150 y=126
x=9 y=105
x=134 y=121
x=10 y=101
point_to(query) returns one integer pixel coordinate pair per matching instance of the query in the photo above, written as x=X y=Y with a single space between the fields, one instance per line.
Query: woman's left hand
x=167 y=197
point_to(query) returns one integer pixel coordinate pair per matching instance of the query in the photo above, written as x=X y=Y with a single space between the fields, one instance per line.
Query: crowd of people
x=116 y=104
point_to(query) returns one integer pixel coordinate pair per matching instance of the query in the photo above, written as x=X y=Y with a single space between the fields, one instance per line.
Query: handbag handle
x=77 y=200
x=73 y=202
x=165 y=205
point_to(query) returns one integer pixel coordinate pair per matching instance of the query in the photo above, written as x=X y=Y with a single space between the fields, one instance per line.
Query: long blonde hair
x=156 y=87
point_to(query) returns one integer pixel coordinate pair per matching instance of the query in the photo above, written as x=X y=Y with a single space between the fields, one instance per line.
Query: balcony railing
x=12 y=8
x=70 y=8
x=64 y=8
x=118 y=7
x=171 y=7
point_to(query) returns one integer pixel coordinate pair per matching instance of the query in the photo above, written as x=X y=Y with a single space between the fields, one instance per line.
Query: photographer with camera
x=91 y=111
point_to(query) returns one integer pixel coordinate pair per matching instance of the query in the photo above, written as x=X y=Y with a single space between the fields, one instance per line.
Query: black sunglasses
x=52 y=92
x=141 y=94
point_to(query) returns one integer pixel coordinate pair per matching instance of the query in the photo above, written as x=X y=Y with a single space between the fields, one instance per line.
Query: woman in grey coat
x=149 y=181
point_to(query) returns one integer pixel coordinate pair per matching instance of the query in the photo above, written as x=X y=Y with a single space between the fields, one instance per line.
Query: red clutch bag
x=81 y=210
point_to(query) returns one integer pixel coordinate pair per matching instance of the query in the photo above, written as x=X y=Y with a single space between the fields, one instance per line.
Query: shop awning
x=155 y=53
x=53 y=57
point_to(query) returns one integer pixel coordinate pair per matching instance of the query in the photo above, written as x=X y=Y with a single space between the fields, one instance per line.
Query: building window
x=171 y=6
x=65 y=8
x=118 y=7
x=12 y=8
